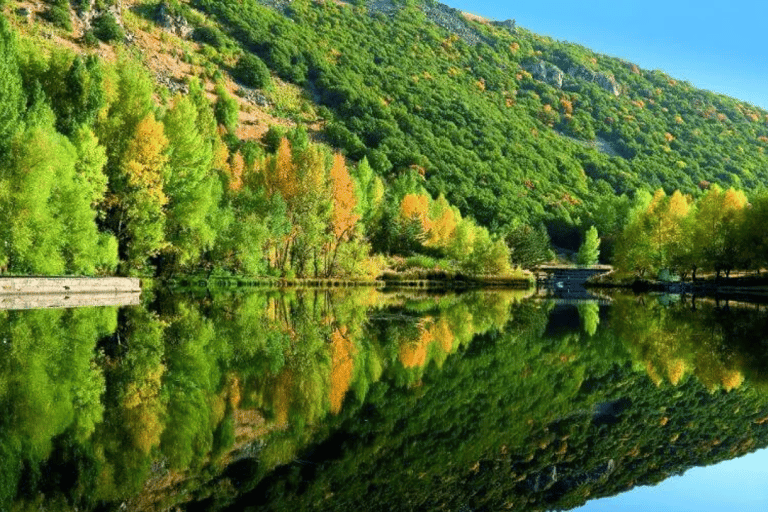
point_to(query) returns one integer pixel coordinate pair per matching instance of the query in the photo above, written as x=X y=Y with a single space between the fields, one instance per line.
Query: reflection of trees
x=201 y=383
x=672 y=340
x=50 y=385
x=524 y=421
x=448 y=384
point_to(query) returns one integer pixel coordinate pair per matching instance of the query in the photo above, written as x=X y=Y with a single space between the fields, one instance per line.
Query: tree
x=193 y=192
x=344 y=216
x=141 y=225
x=715 y=233
x=528 y=245
x=251 y=71
x=226 y=109
x=589 y=251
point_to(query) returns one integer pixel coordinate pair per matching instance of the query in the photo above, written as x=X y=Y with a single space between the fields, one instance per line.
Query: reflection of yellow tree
x=413 y=353
x=142 y=409
x=342 y=367
x=670 y=345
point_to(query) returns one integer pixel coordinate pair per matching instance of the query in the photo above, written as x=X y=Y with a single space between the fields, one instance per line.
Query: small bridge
x=558 y=276
x=567 y=283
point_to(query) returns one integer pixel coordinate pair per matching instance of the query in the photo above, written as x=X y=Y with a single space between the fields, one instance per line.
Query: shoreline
x=385 y=282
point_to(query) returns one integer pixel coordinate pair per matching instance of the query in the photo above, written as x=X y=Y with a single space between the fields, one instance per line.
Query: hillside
x=460 y=118
x=507 y=123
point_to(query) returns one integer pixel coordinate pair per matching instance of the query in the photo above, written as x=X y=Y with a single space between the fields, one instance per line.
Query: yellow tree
x=344 y=217
x=443 y=223
x=142 y=225
x=344 y=202
x=342 y=367
x=718 y=217
x=280 y=172
x=679 y=243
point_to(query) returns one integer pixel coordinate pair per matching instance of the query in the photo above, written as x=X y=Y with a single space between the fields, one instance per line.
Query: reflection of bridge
x=567 y=283
x=602 y=301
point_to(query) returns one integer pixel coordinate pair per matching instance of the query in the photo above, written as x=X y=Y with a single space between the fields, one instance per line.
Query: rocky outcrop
x=510 y=25
x=173 y=23
x=172 y=84
x=253 y=96
x=453 y=21
x=554 y=76
x=607 y=82
x=546 y=72
x=89 y=12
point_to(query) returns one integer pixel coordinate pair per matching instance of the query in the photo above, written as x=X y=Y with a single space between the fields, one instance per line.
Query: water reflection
x=356 y=399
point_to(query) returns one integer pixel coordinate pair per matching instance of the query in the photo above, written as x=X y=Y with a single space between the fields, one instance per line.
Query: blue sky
x=720 y=46
x=735 y=485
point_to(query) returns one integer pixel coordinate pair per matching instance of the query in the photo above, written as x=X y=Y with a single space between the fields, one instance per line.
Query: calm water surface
x=363 y=400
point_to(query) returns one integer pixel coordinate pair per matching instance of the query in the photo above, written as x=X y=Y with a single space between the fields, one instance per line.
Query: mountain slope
x=507 y=123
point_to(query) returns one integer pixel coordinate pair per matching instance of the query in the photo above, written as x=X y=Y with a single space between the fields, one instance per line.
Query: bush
x=106 y=28
x=59 y=16
x=209 y=35
x=251 y=71
x=226 y=109
x=90 y=40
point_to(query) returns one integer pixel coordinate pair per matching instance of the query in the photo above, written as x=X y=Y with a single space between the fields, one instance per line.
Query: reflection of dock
x=558 y=301
x=559 y=277
x=75 y=300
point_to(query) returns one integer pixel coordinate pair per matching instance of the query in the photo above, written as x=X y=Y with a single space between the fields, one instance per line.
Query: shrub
x=209 y=35
x=106 y=28
x=251 y=71
x=90 y=40
x=226 y=109
x=59 y=16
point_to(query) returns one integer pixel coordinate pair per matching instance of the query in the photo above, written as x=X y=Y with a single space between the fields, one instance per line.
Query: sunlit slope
x=509 y=124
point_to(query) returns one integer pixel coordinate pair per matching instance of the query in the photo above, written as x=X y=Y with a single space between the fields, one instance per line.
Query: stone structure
x=68 y=285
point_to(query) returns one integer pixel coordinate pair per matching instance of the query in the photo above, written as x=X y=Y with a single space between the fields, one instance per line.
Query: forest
x=478 y=148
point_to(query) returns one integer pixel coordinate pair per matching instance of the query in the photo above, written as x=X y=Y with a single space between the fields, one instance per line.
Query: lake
x=358 y=399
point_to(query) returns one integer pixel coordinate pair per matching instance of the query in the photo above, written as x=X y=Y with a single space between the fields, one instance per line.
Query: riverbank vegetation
x=102 y=176
x=679 y=235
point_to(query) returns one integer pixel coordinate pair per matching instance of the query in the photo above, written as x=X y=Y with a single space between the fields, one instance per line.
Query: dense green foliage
x=466 y=149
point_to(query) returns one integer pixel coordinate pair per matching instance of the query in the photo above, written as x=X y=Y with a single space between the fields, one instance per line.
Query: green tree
x=589 y=252
x=193 y=191
x=252 y=71
x=528 y=245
